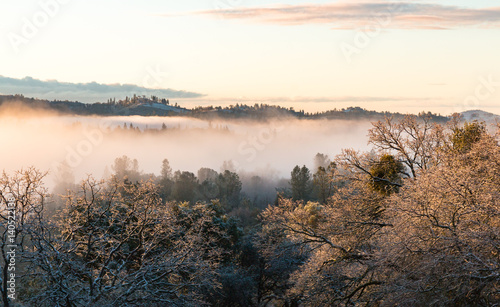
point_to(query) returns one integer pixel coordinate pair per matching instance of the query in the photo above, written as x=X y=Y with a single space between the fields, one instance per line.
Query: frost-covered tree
x=22 y=202
x=339 y=239
x=444 y=249
x=118 y=244
x=414 y=141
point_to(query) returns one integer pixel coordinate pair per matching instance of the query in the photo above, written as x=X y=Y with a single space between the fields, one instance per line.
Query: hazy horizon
x=89 y=144
x=436 y=56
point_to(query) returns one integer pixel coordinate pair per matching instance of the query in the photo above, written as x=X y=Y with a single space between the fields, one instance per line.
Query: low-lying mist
x=89 y=145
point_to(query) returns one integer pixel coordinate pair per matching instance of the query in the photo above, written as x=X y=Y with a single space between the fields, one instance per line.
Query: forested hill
x=154 y=106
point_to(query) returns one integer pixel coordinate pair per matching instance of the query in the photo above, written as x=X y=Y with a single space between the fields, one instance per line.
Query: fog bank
x=90 y=144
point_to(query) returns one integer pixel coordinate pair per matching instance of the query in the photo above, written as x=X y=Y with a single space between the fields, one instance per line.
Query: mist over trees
x=414 y=221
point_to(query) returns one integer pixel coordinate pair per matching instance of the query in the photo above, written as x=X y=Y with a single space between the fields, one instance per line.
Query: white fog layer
x=90 y=144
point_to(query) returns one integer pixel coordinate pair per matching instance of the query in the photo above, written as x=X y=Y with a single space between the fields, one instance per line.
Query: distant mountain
x=154 y=106
x=481 y=116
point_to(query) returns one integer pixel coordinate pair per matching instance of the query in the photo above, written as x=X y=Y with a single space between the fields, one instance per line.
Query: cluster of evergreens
x=137 y=105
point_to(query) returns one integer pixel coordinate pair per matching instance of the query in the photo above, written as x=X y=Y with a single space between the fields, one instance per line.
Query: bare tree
x=415 y=141
x=119 y=245
x=22 y=199
x=371 y=168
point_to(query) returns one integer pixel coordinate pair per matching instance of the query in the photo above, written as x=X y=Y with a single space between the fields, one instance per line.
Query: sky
x=405 y=56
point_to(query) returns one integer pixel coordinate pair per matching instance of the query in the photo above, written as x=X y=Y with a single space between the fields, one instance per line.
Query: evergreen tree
x=301 y=183
x=463 y=138
x=323 y=182
x=386 y=175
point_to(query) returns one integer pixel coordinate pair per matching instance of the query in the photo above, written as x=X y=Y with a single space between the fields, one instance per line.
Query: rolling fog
x=89 y=145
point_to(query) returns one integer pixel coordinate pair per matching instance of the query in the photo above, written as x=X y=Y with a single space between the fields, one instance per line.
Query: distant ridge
x=154 y=106
x=480 y=115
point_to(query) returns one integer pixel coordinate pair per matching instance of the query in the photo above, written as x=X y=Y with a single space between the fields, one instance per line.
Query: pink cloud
x=394 y=15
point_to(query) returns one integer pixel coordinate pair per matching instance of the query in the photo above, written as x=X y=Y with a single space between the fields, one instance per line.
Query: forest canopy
x=414 y=221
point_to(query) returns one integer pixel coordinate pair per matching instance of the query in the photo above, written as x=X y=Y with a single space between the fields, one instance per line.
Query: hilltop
x=480 y=115
x=154 y=106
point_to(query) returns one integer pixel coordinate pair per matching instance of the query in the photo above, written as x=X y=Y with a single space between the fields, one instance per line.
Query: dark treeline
x=413 y=222
x=155 y=106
